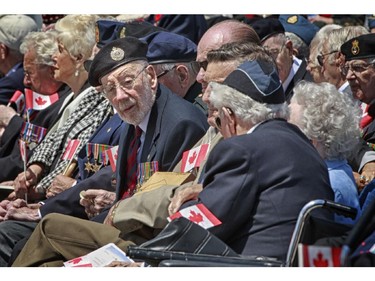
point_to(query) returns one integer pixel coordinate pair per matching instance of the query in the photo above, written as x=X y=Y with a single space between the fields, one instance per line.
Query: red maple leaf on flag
x=320 y=262
x=76 y=260
x=40 y=101
x=192 y=158
x=115 y=156
x=195 y=217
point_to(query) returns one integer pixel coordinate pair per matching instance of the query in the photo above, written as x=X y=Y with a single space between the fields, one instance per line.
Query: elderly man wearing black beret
x=360 y=72
x=160 y=125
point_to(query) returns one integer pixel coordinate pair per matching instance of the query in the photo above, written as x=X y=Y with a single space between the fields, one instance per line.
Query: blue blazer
x=256 y=184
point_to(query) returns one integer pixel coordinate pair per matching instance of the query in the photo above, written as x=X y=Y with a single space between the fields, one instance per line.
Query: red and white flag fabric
x=198 y=214
x=23 y=152
x=318 y=256
x=18 y=99
x=71 y=149
x=112 y=156
x=192 y=158
x=37 y=101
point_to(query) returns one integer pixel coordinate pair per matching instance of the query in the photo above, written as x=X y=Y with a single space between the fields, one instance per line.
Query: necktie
x=131 y=166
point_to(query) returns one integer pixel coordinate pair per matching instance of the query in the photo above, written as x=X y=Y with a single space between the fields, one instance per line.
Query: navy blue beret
x=165 y=47
x=267 y=27
x=300 y=26
x=361 y=47
x=258 y=80
x=115 y=54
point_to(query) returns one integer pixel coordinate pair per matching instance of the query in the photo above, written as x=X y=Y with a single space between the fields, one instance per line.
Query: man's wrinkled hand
x=59 y=184
x=182 y=195
x=95 y=200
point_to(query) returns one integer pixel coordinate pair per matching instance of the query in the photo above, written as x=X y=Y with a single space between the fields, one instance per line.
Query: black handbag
x=183 y=240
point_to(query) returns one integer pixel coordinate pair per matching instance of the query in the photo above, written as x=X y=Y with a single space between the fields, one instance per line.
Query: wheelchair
x=209 y=251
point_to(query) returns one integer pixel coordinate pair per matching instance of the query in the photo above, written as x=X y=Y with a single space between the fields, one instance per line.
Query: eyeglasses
x=356 y=68
x=165 y=72
x=320 y=57
x=126 y=84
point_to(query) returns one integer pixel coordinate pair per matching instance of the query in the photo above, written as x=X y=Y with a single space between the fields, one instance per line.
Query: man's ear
x=152 y=76
x=231 y=120
x=183 y=75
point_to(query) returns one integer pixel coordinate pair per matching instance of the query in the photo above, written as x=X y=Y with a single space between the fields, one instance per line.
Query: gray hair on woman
x=43 y=43
x=329 y=117
x=244 y=107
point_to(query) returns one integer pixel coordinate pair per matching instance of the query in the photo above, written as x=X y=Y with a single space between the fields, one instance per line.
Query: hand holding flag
x=198 y=214
x=70 y=151
x=18 y=99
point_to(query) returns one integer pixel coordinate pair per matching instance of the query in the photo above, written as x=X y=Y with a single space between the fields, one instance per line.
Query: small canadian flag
x=37 y=101
x=318 y=256
x=71 y=149
x=112 y=156
x=192 y=158
x=23 y=150
x=18 y=99
x=198 y=214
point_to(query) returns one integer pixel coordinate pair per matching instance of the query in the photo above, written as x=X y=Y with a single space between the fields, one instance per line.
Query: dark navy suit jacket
x=256 y=184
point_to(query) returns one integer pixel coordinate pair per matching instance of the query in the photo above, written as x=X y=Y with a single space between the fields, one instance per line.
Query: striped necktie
x=132 y=167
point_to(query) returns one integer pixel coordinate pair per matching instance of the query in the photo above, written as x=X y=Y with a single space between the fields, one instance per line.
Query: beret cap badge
x=292 y=19
x=355 y=47
x=122 y=32
x=117 y=54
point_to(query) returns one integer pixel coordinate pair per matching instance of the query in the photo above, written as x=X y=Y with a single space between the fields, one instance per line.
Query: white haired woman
x=331 y=121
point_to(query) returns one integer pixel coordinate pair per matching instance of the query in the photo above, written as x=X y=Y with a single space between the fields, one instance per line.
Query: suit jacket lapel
x=153 y=128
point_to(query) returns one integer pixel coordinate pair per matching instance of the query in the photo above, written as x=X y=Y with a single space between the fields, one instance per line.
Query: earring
x=76 y=73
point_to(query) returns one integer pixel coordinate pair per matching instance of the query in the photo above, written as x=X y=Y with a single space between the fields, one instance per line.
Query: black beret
x=258 y=80
x=267 y=27
x=361 y=47
x=109 y=30
x=165 y=47
x=300 y=26
x=115 y=54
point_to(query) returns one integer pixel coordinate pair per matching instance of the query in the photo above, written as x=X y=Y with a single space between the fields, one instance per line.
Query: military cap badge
x=292 y=19
x=117 y=54
x=355 y=47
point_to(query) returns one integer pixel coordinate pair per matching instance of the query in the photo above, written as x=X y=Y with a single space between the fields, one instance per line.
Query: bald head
x=227 y=31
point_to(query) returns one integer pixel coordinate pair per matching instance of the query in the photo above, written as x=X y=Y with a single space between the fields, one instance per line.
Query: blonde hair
x=77 y=34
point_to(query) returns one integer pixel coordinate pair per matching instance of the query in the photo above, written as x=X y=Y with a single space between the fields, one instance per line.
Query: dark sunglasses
x=165 y=72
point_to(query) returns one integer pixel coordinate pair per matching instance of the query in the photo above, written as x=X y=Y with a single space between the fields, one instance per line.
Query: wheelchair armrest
x=161 y=258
